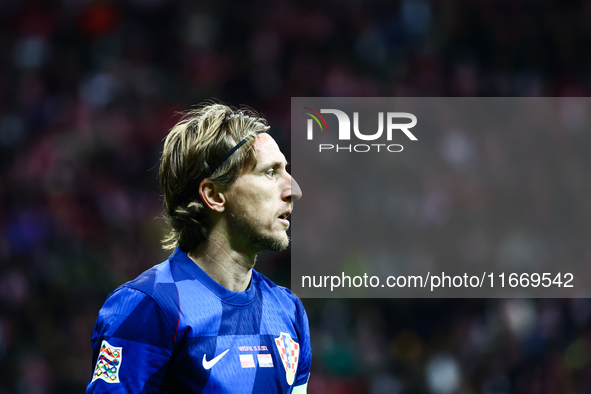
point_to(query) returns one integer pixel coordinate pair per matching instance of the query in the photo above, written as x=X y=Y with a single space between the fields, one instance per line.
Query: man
x=204 y=321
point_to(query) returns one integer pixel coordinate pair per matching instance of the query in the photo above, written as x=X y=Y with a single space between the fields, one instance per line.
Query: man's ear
x=211 y=194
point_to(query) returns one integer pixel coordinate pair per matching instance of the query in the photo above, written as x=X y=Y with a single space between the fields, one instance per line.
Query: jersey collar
x=233 y=297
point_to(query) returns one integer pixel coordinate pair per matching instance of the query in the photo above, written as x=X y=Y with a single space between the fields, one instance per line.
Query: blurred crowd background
x=88 y=90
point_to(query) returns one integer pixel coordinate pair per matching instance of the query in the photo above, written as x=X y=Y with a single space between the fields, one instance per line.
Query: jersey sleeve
x=305 y=357
x=132 y=343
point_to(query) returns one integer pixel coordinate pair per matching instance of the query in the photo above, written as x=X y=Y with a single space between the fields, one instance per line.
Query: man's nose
x=294 y=192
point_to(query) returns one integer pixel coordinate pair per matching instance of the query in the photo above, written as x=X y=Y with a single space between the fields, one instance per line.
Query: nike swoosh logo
x=213 y=361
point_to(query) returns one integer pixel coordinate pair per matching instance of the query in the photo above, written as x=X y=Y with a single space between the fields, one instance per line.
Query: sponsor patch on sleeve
x=108 y=363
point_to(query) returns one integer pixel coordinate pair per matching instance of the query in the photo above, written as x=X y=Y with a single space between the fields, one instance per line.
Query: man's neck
x=227 y=266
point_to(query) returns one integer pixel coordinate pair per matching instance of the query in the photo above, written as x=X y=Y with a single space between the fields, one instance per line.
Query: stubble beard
x=250 y=229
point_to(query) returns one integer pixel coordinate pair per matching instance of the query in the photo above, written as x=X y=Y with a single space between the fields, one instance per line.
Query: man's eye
x=271 y=172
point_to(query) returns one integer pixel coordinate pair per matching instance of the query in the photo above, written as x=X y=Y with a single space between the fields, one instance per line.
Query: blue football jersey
x=176 y=330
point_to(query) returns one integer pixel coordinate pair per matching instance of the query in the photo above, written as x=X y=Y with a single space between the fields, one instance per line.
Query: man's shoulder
x=268 y=284
x=146 y=281
x=282 y=300
x=151 y=280
x=281 y=293
x=156 y=283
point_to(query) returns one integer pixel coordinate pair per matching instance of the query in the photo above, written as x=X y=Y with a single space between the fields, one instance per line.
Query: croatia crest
x=289 y=350
x=108 y=363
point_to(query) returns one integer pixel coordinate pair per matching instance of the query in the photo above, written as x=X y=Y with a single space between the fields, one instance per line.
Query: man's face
x=261 y=199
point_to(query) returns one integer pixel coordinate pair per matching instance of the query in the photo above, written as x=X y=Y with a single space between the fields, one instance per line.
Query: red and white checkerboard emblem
x=289 y=350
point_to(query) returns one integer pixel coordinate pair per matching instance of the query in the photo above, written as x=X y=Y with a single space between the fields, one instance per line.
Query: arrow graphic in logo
x=213 y=361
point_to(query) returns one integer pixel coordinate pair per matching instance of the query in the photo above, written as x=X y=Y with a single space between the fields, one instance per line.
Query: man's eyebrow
x=275 y=164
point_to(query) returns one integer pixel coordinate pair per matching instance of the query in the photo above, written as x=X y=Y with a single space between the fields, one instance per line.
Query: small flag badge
x=265 y=360
x=246 y=361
